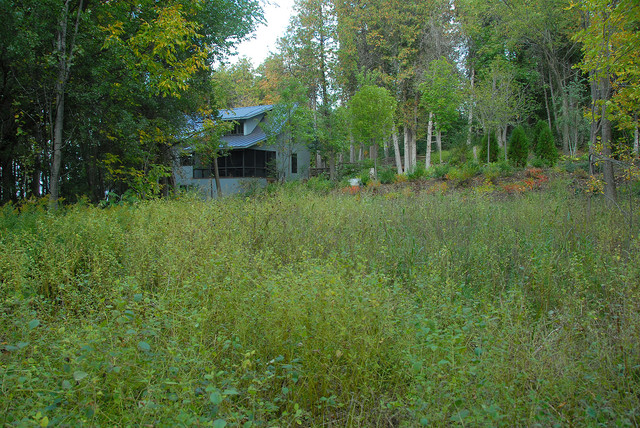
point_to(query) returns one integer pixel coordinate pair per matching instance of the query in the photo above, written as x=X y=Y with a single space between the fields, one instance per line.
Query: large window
x=294 y=163
x=240 y=163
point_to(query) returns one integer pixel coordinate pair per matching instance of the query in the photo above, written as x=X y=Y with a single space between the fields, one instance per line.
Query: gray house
x=251 y=159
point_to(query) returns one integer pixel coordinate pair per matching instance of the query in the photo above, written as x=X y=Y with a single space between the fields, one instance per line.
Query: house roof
x=236 y=141
x=245 y=141
x=244 y=112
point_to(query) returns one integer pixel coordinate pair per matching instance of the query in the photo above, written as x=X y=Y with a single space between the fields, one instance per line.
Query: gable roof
x=244 y=112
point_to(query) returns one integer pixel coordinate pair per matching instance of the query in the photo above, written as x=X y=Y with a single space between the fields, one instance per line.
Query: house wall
x=207 y=186
x=250 y=124
x=304 y=161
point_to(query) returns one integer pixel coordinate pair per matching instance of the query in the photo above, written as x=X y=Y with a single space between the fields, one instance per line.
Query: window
x=240 y=163
x=238 y=129
x=294 y=163
x=186 y=160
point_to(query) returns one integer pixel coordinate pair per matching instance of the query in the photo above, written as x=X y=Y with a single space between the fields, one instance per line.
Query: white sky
x=276 y=14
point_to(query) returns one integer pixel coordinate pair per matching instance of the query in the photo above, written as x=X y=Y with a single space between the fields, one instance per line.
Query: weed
x=302 y=307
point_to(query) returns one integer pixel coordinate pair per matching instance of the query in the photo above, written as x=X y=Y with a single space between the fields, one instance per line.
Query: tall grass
x=338 y=310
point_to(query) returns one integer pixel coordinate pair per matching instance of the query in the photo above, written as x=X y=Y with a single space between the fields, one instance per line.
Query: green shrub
x=418 y=173
x=545 y=146
x=464 y=173
x=439 y=171
x=518 y=147
x=364 y=177
x=387 y=175
x=460 y=154
x=320 y=184
x=538 y=163
x=571 y=165
x=492 y=145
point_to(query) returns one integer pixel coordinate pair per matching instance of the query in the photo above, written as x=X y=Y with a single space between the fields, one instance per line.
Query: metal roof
x=245 y=141
x=195 y=126
x=244 y=112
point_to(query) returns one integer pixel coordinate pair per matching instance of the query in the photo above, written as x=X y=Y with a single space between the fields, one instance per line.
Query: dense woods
x=95 y=94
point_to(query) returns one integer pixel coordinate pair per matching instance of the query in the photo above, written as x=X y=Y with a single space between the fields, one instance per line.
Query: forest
x=485 y=273
x=95 y=96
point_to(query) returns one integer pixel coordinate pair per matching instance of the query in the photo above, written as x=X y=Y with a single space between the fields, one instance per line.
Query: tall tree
x=372 y=115
x=610 y=39
x=441 y=97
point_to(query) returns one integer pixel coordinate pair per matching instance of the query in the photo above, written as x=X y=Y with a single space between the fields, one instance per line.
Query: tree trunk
x=59 y=120
x=35 y=177
x=607 y=167
x=396 y=149
x=470 y=118
x=427 y=163
x=216 y=173
x=332 y=167
x=565 y=122
x=489 y=147
x=553 y=104
x=64 y=66
x=546 y=101
x=407 y=151
x=414 y=135
x=504 y=142
x=635 y=136
x=439 y=143
x=352 y=149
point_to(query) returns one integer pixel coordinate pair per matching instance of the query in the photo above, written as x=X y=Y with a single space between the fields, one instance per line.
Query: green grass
x=299 y=307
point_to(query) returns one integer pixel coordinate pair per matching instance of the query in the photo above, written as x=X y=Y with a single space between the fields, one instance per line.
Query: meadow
x=317 y=308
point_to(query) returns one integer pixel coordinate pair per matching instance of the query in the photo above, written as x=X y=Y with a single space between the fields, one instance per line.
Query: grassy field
x=322 y=309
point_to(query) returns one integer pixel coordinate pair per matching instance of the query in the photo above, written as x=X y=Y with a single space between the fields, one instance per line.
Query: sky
x=276 y=14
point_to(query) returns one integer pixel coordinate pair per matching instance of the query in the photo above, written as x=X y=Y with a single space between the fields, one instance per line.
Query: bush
x=387 y=176
x=418 y=173
x=439 y=171
x=545 y=146
x=460 y=154
x=493 y=148
x=464 y=173
x=518 y=147
x=320 y=184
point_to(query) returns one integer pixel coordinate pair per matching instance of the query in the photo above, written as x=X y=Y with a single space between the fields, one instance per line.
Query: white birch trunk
x=439 y=143
x=414 y=136
x=470 y=118
x=504 y=141
x=407 y=151
x=427 y=163
x=352 y=149
x=396 y=149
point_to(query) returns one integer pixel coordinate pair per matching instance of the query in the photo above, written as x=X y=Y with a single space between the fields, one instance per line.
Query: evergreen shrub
x=545 y=146
x=518 y=147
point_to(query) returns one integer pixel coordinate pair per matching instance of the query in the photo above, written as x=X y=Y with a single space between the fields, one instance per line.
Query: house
x=250 y=158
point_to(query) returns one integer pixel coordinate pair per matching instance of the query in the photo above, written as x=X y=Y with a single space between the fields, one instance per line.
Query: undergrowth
x=298 y=307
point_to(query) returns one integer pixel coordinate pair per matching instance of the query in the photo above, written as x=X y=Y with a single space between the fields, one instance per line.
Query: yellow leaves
x=163 y=51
